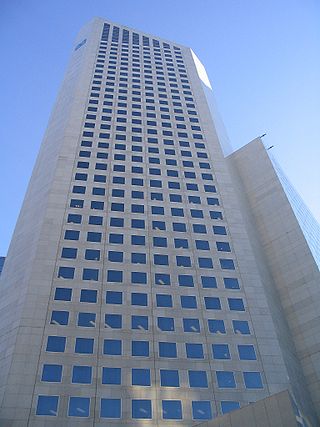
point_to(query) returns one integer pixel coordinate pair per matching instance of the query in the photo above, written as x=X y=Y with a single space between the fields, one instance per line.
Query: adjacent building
x=152 y=280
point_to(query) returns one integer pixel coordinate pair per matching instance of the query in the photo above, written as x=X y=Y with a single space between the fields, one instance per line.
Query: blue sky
x=262 y=58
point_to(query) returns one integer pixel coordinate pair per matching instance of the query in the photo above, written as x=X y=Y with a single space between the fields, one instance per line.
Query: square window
x=138 y=240
x=47 y=405
x=252 y=380
x=188 y=301
x=66 y=272
x=139 y=277
x=236 y=304
x=169 y=378
x=229 y=406
x=198 y=379
x=113 y=321
x=116 y=207
x=92 y=255
x=116 y=238
x=219 y=229
x=84 y=345
x=160 y=259
x=116 y=222
x=138 y=223
x=180 y=227
x=90 y=274
x=87 y=320
x=191 y=325
x=227 y=264
x=141 y=409
x=225 y=379
x=140 y=348
x=140 y=322
x=59 y=318
x=168 y=349
x=199 y=228
x=115 y=256
x=181 y=243
x=114 y=276
x=160 y=242
x=220 y=351
x=171 y=410
x=201 y=410
x=51 y=373
x=76 y=203
x=241 y=327
x=162 y=279
x=97 y=205
x=202 y=245
x=139 y=299
x=158 y=225
x=79 y=407
x=141 y=377
x=205 y=263
x=95 y=220
x=164 y=300
x=216 y=326
x=231 y=283
x=183 y=261
x=223 y=247
x=111 y=376
x=247 y=352
x=166 y=324
x=56 y=344
x=194 y=351
x=63 y=294
x=110 y=408
x=138 y=258
x=208 y=282
x=113 y=297
x=112 y=347
x=69 y=253
x=82 y=375
x=216 y=215
x=88 y=295
x=185 y=280
x=94 y=237
x=212 y=303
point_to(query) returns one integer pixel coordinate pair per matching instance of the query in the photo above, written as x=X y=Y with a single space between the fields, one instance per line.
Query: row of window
x=82 y=374
x=140 y=208
x=155 y=210
x=186 y=280
x=140 y=258
x=139 y=182
x=140 y=408
x=134 y=159
x=135 y=68
x=140 y=322
x=141 y=224
x=113 y=347
x=159 y=242
x=161 y=300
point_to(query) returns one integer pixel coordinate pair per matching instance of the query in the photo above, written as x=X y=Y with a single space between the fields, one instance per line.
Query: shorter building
x=278 y=410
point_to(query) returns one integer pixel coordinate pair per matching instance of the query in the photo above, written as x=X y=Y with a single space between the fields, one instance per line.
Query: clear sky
x=262 y=57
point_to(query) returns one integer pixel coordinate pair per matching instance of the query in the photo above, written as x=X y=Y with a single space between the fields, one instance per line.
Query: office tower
x=136 y=290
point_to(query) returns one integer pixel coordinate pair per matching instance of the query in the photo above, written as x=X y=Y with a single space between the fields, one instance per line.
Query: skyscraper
x=137 y=290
